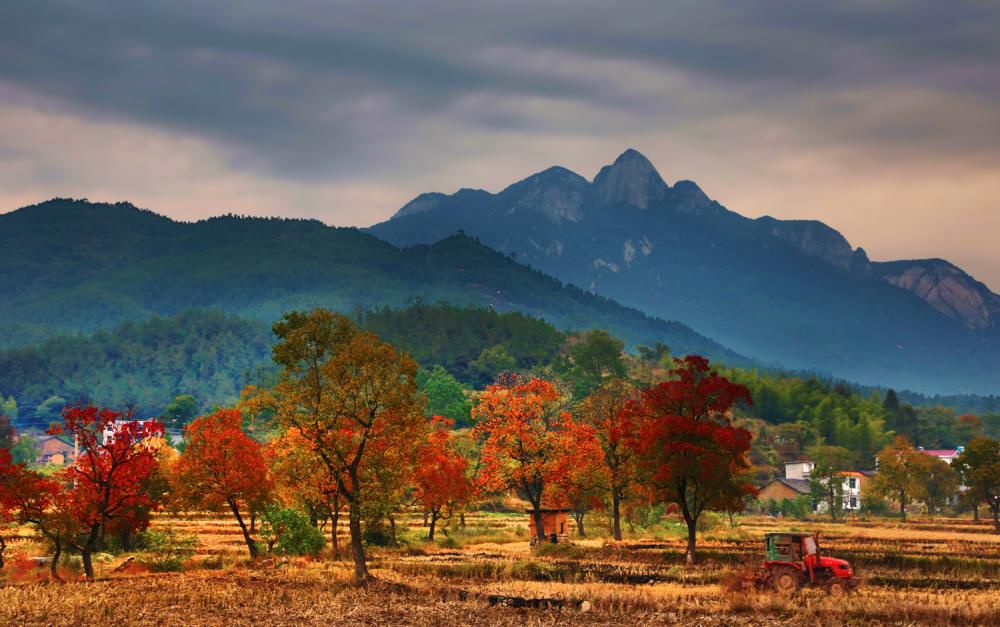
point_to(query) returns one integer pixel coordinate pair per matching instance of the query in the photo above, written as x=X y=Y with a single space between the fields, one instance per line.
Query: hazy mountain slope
x=79 y=266
x=790 y=292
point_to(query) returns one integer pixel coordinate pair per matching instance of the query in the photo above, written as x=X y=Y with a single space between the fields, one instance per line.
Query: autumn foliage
x=530 y=443
x=354 y=398
x=221 y=465
x=687 y=448
x=441 y=475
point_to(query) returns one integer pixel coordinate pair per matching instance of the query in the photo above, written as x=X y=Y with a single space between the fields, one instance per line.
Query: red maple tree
x=108 y=480
x=26 y=497
x=687 y=447
x=440 y=476
x=222 y=465
x=529 y=441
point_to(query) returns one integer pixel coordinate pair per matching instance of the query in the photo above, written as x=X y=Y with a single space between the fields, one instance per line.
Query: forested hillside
x=194 y=361
x=70 y=266
x=211 y=356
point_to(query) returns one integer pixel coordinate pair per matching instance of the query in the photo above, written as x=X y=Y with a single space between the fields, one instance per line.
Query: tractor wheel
x=785 y=579
x=836 y=588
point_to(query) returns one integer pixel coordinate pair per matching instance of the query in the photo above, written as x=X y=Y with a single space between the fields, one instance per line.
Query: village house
x=946 y=455
x=796 y=483
x=55 y=450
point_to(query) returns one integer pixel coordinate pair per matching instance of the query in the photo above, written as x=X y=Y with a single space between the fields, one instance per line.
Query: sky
x=881 y=118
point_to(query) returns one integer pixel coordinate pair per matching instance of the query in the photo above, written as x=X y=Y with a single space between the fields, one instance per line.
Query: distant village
x=798 y=484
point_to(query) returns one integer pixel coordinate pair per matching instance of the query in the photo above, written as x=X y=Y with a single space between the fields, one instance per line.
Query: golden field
x=924 y=571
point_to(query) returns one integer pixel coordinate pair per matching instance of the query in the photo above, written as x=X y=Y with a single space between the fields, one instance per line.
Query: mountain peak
x=630 y=180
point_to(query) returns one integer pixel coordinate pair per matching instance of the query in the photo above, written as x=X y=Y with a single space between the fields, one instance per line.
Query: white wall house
x=853 y=481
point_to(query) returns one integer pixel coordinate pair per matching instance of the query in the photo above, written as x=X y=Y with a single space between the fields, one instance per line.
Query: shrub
x=709 y=521
x=533 y=571
x=561 y=550
x=168 y=549
x=287 y=531
x=213 y=562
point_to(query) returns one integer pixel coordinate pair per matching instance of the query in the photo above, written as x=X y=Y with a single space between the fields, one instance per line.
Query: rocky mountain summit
x=790 y=292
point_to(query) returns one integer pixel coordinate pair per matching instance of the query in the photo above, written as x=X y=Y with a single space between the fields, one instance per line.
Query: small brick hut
x=555 y=524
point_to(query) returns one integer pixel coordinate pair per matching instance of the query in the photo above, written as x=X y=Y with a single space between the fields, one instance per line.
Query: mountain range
x=793 y=293
x=69 y=266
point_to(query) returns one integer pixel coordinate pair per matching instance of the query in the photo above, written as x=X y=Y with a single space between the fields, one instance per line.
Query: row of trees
x=352 y=439
x=907 y=475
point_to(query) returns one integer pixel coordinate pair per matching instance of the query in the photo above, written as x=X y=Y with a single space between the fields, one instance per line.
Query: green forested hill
x=212 y=356
x=72 y=266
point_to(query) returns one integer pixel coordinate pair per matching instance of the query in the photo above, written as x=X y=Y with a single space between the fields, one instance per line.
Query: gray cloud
x=328 y=89
x=311 y=101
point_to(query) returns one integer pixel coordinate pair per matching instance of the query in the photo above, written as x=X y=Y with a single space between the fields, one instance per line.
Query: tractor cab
x=800 y=549
x=793 y=559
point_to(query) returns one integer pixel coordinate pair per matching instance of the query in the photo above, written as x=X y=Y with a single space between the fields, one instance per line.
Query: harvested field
x=931 y=571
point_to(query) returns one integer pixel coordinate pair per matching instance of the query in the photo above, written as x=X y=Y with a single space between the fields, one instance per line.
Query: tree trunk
x=433 y=524
x=692 y=526
x=251 y=545
x=426 y=516
x=3 y=549
x=580 y=531
x=88 y=564
x=357 y=547
x=253 y=521
x=334 y=520
x=902 y=504
x=539 y=525
x=54 y=565
x=996 y=516
x=975 y=512
x=616 y=517
x=392 y=530
x=461 y=520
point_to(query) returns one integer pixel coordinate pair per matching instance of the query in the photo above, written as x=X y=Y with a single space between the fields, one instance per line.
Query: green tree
x=445 y=395
x=8 y=436
x=900 y=474
x=50 y=409
x=491 y=362
x=8 y=407
x=595 y=358
x=979 y=468
x=826 y=485
x=24 y=450
x=940 y=483
x=180 y=411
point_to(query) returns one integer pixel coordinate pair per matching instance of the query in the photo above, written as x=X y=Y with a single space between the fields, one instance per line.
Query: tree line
x=346 y=413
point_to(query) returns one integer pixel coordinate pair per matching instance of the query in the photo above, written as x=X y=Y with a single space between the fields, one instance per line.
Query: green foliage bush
x=287 y=531
x=168 y=549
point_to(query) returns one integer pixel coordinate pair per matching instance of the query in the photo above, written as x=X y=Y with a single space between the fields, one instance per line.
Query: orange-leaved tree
x=301 y=479
x=687 y=447
x=222 y=465
x=529 y=441
x=441 y=479
x=606 y=409
x=354 y=398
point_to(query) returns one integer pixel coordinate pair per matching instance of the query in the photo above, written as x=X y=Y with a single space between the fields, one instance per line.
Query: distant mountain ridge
x=68 y=266
x=793 y=292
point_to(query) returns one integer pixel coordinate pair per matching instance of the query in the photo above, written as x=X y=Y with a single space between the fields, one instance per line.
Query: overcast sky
x=881 y=118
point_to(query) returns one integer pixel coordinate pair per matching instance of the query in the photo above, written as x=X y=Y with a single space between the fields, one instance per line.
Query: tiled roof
x=799 y=485
x=947 y=452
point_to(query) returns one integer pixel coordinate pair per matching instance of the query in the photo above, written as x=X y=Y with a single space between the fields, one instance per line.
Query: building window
x=854 y=502
x=852 y=483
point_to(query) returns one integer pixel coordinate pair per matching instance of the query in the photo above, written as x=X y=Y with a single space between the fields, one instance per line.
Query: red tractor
x=793 y=560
